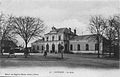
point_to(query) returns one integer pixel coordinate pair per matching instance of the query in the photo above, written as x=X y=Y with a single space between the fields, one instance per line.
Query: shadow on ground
x=55 y=61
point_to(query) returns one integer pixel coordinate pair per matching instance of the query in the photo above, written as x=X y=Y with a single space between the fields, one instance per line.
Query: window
x=59 y=47
x=87 y=47
x=78 y=47
x=53 y=47
x=37 y=47
x=52 y=38
x=43 y=38
x=47 y=38
x=42 y=48
x=71 y=47
x=47 y=48
x=59 y=37
x=33 y=47
x=96 y=46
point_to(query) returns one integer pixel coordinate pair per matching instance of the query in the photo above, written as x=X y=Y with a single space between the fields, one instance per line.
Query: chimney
x=53 y=28
x=70 y=29
x=75 y=31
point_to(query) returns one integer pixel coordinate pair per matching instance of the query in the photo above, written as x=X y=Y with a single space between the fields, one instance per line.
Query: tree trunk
x=98 y=41
x=1 y=47
x=61 y=54
x=26 y=50
x=118 y=43
x=110 y=49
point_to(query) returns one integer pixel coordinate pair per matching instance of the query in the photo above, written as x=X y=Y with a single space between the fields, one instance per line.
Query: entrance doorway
x=53 y=48
x=47 y=48
x=59 y=49
x=66 y=48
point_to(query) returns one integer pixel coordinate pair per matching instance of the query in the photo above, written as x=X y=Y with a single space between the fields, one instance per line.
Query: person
x=45 y=53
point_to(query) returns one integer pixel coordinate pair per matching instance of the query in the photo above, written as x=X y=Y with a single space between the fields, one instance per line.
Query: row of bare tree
x=31 y=27
x=108 y=28
x=24 y=26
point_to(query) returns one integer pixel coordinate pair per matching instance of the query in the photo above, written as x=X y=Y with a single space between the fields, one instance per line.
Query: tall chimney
x=70 y=29
x=74 y=31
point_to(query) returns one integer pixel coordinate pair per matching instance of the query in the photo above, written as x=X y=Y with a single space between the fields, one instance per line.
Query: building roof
x=39 y=40
x=84 y=37
x=91 y=37
x=60 y=30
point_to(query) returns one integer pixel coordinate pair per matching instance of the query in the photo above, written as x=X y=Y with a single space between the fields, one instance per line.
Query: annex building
x=69 y=40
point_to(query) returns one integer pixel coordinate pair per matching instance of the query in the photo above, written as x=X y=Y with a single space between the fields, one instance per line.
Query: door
x=53 y=48
x=47 y=48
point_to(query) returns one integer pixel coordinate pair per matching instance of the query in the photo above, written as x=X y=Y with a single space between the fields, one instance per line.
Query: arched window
x=87 y=47
x=52 y=38
x=59 y=47
x=47 y=48
x=96 y=46
x=53 y=47
x=59 y=37
x=71 y=47
x=78 y=47
x=43 y=38
x=47 y=38
x=37 y=47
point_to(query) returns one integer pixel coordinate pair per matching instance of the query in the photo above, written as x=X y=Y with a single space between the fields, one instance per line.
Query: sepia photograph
x=59 y=38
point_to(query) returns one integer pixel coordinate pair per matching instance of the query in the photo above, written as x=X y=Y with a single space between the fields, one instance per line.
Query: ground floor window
x=71 y=47
x=37 y=47
x=78 y=47
x=59 y=48
x=33 y=47
x=53 y=48
x=47 y=48
x=42 y=47
x=96 y=46
x=87 y=47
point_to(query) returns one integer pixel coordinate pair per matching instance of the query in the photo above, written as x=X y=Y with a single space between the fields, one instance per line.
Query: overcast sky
x=62 y=13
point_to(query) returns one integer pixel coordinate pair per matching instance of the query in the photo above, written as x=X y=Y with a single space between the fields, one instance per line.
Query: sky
x=62 y=13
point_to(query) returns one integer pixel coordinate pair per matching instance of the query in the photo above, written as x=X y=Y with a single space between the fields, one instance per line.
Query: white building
x=69 y=40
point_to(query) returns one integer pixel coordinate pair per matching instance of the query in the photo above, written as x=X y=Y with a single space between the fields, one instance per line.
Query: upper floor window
x=43 y=39
x=59 y=37
x=87 y=47
x=47 y=38
x=52 y=38
x=71 y=47
x=78 y=47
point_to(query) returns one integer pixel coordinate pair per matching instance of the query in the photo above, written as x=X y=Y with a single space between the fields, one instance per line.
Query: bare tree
x=28 y=28
x=110 y=33
x=5 y=30
x=97 y=26
x=117 y=30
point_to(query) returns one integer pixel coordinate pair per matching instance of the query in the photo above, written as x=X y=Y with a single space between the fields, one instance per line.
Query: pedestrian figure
x=45 y=53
